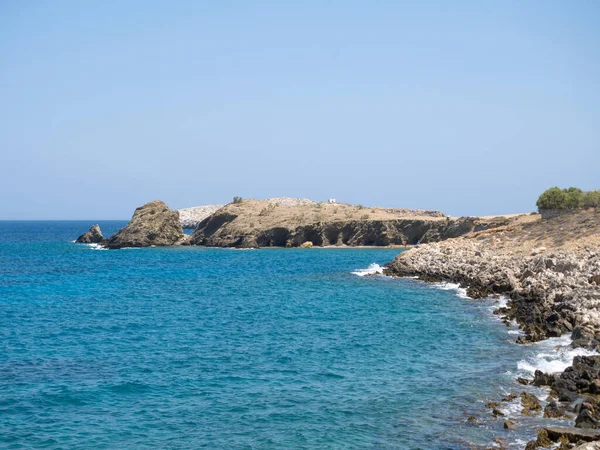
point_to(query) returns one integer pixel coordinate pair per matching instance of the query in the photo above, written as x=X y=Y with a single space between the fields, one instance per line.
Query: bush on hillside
x=237 y=199
x=591 y=199
x=553 y=198
x=571 y=198
x=574 y=198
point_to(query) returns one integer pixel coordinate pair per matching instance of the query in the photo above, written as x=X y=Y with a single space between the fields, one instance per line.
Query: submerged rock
x=93 y=236
x=153 y=224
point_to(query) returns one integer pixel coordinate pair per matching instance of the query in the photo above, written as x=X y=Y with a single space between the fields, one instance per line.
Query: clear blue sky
x=466 y=107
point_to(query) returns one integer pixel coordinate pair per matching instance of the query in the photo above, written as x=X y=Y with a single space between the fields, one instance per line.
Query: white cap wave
x=373 y=269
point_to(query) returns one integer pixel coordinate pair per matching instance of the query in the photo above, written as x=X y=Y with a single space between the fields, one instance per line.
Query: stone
x=542 y=379
x=573 y=435
x=153 y=224
x=509 y=397
x=509 y=424
x=306 y=244
x=496 y=412
x=530 y=404
x=93 y=236
x=553 y=410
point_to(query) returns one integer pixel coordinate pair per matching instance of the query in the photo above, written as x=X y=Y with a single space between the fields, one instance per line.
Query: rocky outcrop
x=153 y=224
x=254 y=223
x=191 y=217
x=547 y=269
x=93 y=236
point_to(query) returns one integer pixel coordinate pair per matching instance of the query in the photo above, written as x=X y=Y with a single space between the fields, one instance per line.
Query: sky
x=468 y=107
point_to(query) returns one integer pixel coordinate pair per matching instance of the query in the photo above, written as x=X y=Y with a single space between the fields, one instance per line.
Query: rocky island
x=152 y=224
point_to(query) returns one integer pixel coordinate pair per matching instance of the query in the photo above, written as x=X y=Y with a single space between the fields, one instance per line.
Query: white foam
x=553 y=355
x=513 y=408
x=96 y=247
x=460 y=292
x=502 y=302
x=373 y=269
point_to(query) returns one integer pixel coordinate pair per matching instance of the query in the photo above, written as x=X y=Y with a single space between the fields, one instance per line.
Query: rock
x=589 y=446
x=580 y=378
x=553 y=410
x=509 y=424
x=509 y=398
x=94 y=236
x=530 y=404
x=573 y=435
x=542 y=440
x=523 y=381
x=543 y=379
x=496 y=412
x=306 y=244
x=472 y=419
x=587 y=416
x=153 y=224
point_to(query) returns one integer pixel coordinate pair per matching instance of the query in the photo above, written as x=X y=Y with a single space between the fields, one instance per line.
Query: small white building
x=331 y=200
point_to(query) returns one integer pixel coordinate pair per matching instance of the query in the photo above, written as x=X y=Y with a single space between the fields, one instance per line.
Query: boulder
x=94 y=236
x=572 y=434
x=153 y=224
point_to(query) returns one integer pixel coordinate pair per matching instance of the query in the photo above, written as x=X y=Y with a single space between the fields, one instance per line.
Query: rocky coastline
x=550 y=272
x=273 y=223
x=289 y=222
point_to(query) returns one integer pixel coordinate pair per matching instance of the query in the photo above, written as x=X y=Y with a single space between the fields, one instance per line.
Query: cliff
x=266 y=223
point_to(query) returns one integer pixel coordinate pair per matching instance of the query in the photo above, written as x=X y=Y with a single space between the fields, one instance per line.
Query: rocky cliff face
x=151 y=224
x=254 y=223
x=94 y=236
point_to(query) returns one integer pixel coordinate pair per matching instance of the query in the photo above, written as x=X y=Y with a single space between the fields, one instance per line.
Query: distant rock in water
x=191 y=217
x=151 y=224
x=94 y=236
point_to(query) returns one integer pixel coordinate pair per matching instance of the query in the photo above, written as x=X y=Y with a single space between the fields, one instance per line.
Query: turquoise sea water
x=217 y=348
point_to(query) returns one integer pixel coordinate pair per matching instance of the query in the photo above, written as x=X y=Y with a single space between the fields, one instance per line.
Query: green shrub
x=553 y=198
x=591 y=199
x=360 y=206
x=574 y=198
x=237 y=199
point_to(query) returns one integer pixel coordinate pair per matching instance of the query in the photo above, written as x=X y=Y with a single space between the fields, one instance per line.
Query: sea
x=193 y=347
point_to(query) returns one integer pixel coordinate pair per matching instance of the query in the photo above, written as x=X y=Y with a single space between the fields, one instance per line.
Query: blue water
x=217 y=348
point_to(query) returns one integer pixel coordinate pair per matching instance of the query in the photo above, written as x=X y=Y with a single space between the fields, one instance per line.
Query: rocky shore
x=550 y=271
